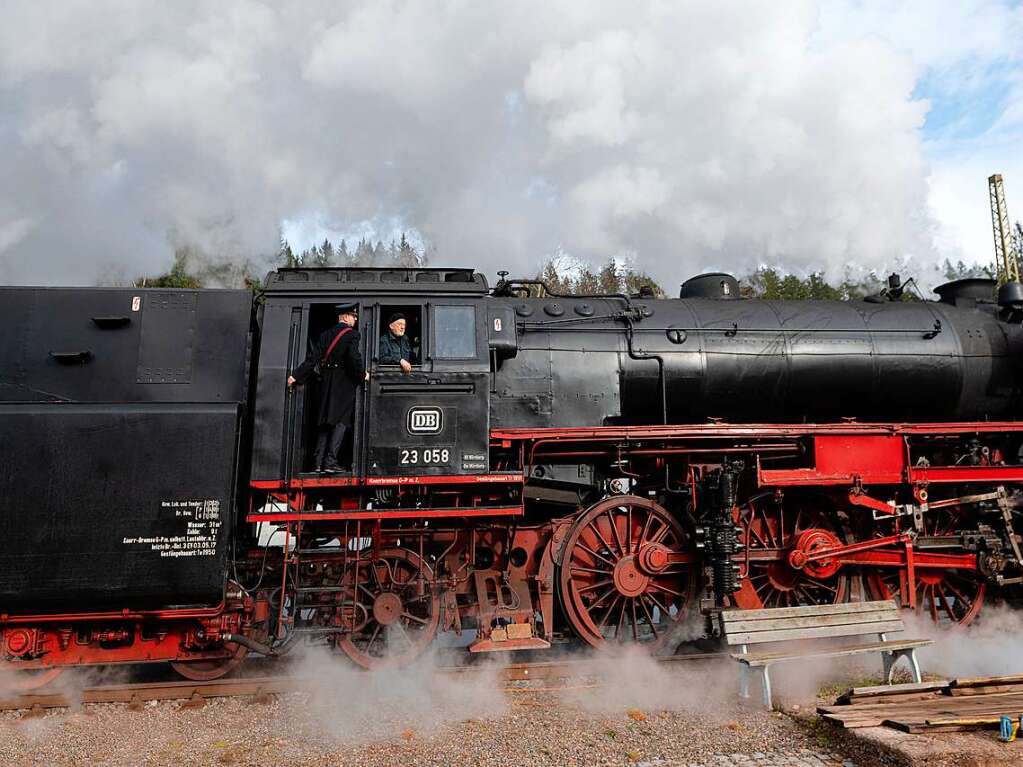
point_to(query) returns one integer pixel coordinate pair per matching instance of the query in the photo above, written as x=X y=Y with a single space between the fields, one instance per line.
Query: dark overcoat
x=342 y=373
x=394 y=349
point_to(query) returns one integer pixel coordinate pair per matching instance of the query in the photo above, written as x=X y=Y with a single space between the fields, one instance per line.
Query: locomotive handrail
x=502 y=289
x=428 y=388
x=110 y=323
x=662 y=381
x=68 y=358
x=568 y=320
x=733 y=328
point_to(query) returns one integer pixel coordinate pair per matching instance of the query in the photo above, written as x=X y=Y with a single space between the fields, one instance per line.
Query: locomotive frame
x=610 y=532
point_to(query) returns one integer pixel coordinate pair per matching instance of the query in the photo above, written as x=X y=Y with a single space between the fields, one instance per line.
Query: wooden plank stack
x=944 y=706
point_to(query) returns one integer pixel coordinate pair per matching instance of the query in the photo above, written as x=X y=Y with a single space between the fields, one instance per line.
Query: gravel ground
x=637 y=715
x=532 y=728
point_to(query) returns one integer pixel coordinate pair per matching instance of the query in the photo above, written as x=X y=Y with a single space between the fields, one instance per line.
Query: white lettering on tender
x=197 y=524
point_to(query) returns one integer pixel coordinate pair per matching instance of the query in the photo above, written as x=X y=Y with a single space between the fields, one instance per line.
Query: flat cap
x=395 y=317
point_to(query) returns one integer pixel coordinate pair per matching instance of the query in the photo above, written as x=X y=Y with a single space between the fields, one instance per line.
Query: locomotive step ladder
x=783 y=627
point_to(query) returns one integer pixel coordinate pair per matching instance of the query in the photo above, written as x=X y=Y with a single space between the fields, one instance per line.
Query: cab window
x=413 y=332
x=454 y=332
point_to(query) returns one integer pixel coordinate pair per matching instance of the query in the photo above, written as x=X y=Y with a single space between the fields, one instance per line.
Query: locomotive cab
x=433 y=420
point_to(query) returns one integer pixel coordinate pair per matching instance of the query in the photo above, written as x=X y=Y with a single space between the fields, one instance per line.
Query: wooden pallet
x=945 y=706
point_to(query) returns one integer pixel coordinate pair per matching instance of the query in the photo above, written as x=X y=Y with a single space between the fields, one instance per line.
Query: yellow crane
x=1006 y=251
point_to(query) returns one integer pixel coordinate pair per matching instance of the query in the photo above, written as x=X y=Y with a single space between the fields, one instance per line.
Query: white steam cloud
x=688 y=135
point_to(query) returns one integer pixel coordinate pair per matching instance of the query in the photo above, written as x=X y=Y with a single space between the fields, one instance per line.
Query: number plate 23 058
x=424 y=456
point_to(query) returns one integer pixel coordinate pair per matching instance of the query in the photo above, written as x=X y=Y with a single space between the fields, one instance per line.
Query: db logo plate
x=425 y=420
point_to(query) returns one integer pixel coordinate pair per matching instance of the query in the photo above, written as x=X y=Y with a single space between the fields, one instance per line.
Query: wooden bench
x=787 y=625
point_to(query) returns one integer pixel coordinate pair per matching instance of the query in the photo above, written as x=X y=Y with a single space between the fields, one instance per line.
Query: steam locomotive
x=606 y=468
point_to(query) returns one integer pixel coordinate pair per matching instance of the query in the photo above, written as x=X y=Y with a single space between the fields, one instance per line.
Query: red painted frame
x=381 y=514
x=846 y=454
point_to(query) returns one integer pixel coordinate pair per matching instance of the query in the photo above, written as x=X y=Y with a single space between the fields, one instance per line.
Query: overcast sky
x=685 y=134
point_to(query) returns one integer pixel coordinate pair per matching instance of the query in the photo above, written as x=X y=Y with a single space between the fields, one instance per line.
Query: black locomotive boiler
x=605 y=468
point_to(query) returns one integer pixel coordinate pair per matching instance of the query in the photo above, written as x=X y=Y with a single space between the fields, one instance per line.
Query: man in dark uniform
x=395 y=347
x=337 y=353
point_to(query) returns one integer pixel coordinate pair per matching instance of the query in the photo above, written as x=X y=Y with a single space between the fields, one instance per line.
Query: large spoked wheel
x=949 y=597
x=26 y=681
x=771 y=531
x=212 y=668
x=396 y=610
x=616 y=583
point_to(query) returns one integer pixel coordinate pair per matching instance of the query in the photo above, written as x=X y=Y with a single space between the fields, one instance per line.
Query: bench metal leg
x=891 y=657
x=915 y=666
x=765 y=675
x=889 y=666
x=745 y=672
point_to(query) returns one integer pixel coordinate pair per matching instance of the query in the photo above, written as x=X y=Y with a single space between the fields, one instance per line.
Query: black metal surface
x=374 y=281
x=714 y=285
x=120 y=415
x=110 y=506
x=758 y=361
x=459 y=387
x=120 y=408
x=176 y=346
x=457 y=444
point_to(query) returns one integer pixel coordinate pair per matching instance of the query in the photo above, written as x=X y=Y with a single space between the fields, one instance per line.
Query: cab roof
x=375 y=279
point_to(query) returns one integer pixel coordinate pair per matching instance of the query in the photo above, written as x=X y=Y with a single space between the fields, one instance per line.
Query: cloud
x=690 y=135
x=969 y=65
x=13 y=231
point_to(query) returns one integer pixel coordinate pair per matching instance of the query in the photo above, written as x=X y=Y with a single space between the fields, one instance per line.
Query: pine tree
x=407 y=255
x=960 y=270
x=553 y=279
x=641 y=283
x=608 y=279
x=342 y=255
x=363 y=253
x=179 y=275
x=326 y=255
x=285 y=255
x=587 y=283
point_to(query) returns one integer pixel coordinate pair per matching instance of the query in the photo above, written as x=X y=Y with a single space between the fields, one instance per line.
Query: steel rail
x=261 y=687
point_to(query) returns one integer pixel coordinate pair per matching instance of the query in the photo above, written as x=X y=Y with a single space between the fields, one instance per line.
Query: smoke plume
x=688 y=135
x=346 y=704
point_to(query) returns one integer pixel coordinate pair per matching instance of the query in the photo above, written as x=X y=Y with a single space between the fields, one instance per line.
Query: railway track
x=262 y=688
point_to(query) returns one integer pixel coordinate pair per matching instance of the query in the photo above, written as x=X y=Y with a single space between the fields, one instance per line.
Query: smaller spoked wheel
x=948 y=596
x=395 y=609
x=627 y=573
x=777 y=537
x=208 y=669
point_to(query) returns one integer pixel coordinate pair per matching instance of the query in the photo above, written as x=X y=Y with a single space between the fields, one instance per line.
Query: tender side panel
x=114 y=506
x=120 y=412
x=117 y=345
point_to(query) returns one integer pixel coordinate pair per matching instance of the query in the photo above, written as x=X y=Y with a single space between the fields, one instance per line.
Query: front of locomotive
x=768 y=426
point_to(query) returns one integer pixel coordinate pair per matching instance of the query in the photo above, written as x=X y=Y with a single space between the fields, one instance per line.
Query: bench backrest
x=780 y=624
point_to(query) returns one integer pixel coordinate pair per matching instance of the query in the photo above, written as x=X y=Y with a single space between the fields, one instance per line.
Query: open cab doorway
x=320 y=318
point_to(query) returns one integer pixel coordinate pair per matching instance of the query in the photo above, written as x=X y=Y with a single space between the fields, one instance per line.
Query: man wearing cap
x=337 y=353
x=395 y=348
